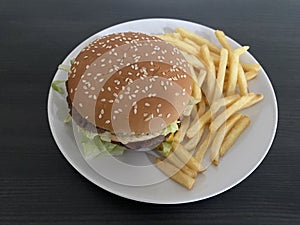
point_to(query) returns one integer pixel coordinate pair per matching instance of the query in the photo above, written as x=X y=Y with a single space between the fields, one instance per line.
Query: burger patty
x=86 y=125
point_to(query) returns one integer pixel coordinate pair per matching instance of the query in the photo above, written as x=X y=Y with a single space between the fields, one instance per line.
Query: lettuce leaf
x=57 y=85
x=171 y=128
x=93 y=145
x=64 y=67
x=164 y=148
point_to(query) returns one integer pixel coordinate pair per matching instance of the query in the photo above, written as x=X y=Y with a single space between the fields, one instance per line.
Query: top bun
x=129 y=83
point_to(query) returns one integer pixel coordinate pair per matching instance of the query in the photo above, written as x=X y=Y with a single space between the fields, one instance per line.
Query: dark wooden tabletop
x=37 y=184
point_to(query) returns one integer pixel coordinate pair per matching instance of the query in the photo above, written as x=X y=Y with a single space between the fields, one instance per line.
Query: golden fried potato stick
x=193 y=142
x=175 y=174
x=233 y=69
x=251 y=74
x=179 y=44
x=211 y=75
x=220 y=135
x=221 y=73
x=199 y=122
x=233 y=134
x=242 y=81
x=180 y=134
x=187 y=158
x=200 y=152
x=223 y=41
x=242 y=103
x=197 y=39
x=189 y=41
x=250 y=66
x=193 y=60
x=172 y=158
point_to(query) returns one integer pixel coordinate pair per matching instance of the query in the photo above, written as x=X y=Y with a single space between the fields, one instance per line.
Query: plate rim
x=146 y=200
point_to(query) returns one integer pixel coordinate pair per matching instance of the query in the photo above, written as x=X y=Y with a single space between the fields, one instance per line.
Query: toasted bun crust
x=129 y=83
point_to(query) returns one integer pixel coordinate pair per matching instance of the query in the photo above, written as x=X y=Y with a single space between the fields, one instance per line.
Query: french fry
x=183 y=46
x=251 y=74
x=195 y=111
x=254 y=98
x=172 y=158
x=216 y=71
x=201 y=77
x=250 y=66
x=196 y=91
x=177 y=36
x=189 y=41
x=242 y=81
x=243 y=102
x=197 y=124
x=211 y=76
x=223 y=41
x=197 y=39
x=187 y=158
x=193 y=142
x=233 y=134
x=179 y=135
x=220 y=135
x=233 y=69
x=200 y=152
x=221 y=73
x=175 y=174
x=193 y=60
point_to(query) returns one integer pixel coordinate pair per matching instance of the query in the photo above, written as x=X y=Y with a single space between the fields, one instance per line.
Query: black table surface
x=37 y=184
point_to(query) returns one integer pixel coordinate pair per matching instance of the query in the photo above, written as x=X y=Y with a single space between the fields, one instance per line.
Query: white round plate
x=244 y=157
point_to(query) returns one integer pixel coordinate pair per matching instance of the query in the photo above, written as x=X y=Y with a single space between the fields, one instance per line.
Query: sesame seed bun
x=129 y=83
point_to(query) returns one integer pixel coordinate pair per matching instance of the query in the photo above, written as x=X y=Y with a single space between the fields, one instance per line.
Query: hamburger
x=128 y=91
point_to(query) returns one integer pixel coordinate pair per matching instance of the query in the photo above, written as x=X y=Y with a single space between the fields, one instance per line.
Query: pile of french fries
x=221 y=90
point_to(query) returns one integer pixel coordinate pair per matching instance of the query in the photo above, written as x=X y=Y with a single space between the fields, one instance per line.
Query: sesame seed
x=114 y=117
x=103 y=100
x=168 y=115
x=135 y=110
x=94 y=97
x=111 y=101
x=87 y=66
x=102 y=111
x=86 y=117
x=85 y=57
x=107 y=121
x=109 y=88
x=100 y=116
x=120 y=110
x=102 y=65
x=100 y=80
x=147 y=104
x=160 y=115
x=80 y=104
